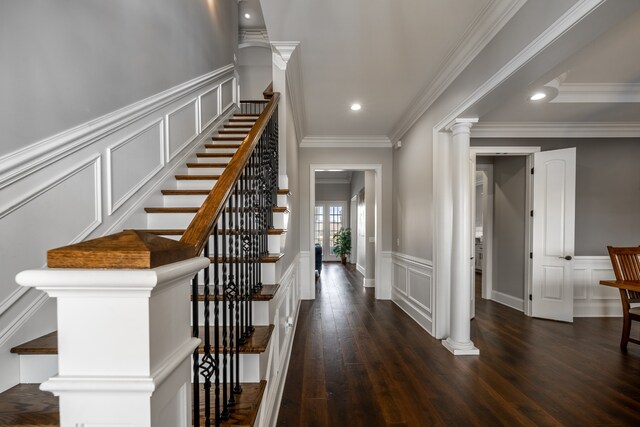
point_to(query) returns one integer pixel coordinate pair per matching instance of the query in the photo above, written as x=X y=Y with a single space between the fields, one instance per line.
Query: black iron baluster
x=231 y=295
x=196 y=353
x=237 y=389
x=208 y=364
x=224 y=415
x=216 y=321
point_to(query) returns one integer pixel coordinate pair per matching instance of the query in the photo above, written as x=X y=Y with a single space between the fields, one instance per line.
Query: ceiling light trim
x=345 y=142
x=556 y=130
x=492 y=19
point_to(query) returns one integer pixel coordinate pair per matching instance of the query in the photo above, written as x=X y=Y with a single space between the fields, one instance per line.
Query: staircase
x=182 y=198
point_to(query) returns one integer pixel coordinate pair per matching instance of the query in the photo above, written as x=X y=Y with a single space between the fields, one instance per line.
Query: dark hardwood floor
x=361 y=362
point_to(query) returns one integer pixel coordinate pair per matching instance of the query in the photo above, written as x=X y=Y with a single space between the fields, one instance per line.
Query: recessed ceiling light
x=356 y=107
x=538 y=96
x=247 y=16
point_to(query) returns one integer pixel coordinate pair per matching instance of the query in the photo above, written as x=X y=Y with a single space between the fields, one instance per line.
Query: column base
x=461 y=349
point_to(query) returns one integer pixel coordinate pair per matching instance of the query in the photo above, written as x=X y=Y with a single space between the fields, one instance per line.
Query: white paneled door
x=554 y=182
x=329 y=218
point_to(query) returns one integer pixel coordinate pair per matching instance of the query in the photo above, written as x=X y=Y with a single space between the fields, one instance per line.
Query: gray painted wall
x=333 y=193
x=509 y=203
x=357 y=183
x=607 y=189
x=65 y=62
x=255 y=70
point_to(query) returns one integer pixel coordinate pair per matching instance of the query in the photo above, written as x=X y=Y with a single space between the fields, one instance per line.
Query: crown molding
x=282 y=52
x=611 y=93
x=345 y=142
x=253 y=38
x=477 y=36
x=556 y=130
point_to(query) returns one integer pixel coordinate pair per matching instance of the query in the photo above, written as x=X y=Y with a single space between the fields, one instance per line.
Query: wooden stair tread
x=256 y=344
x=266 y=293
x=207 y=165
x=232 y=132
x=246 y=115
x=235 y=146
x=284 y=192
x=245 y=411
x=237 y=125
x=48 y=344
x=180 y=231
x=228 y=138
x=214 y=154
x=243 y=120
x=265 y=259
x=27 y=405
x=197 y=177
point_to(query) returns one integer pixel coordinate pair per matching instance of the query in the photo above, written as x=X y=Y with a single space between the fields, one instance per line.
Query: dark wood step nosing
x=192 y=209
x=264 y=259
x=179 y=232
x=267 y=293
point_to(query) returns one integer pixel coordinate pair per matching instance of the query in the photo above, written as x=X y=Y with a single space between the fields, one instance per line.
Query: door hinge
x=530 y=255
x=531 y=213
x=531 y=171
x=530 y=297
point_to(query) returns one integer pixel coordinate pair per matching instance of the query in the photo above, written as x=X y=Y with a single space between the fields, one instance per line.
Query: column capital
x=282 y=52
x=461 y=125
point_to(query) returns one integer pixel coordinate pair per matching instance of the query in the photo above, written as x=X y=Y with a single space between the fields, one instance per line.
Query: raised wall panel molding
x=227 y=93
x=146 y=153
x=412 y=287
x=556 y=130
x=171 y=148
x=16 y=165
x=345 y=142
x=490 y=21
x=210 y=107
x=590 y=298
x=22 y=318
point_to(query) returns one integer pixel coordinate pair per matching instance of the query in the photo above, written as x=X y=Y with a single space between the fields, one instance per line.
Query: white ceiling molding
x=295 y=89
x=253 y=38
x=476 y=37
x=563 y=24
x=282 y=52
x=556 y=130
x=345 y=142
x=610 y=93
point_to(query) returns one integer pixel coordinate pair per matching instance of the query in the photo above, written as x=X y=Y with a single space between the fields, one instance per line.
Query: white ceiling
x=597 y=83
x=253 y=8
x=382 y=54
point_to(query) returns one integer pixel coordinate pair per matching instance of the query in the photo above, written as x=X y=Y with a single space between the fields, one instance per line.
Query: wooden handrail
x=201 y=227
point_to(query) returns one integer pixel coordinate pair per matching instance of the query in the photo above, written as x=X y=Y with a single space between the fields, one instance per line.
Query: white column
x=459 y=340
x=281 y=54
x=124 y=344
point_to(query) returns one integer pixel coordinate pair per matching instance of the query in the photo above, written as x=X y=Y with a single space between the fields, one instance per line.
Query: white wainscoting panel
x=182 y=127
x=210 y=107
x=57 y=192
x=228 y=97
x=62 y=211
x=123 y=180
x=590 y=298
x=412 y=288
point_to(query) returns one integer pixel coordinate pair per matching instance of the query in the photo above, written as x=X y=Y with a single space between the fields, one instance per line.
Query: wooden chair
x=626 y=266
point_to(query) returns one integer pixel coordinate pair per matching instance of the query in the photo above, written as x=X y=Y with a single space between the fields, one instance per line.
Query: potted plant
x=342 y=244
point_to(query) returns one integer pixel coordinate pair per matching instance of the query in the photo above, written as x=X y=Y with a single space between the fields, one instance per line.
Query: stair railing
x=238 y=213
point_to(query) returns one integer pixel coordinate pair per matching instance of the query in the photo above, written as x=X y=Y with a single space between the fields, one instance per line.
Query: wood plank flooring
x=361 y=362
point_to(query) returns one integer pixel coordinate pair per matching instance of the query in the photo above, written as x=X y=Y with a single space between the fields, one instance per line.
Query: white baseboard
x=369 y=283
x=414 y=311
x=360 y=269
x=508 y=300
x=590 y=299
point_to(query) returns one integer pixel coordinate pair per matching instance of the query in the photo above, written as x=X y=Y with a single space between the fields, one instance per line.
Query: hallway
x=361 y=362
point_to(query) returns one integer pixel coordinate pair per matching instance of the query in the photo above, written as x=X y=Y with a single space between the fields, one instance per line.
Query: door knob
x=568 y=257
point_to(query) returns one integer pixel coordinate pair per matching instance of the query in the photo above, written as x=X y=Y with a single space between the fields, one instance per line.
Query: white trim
x=167 y=122
x=418 y=311
x=233 y=92
x=610 y=93
x=328 y=181
x=295 y=88
x=345 y=142
x=218 y=106
x=369 y=283
x=14 y=296
x=570 y=18
x=502 y=151
x=556 y=130
x=489 y=22
x=253 y=38
x=360 y=269
x=407 y=305
x=111 y=205
x=27 y=160
x=590 y=299
x=413 y=260
x=508 y=300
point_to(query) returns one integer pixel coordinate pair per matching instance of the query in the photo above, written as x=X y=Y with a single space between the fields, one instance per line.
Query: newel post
x=124 y=334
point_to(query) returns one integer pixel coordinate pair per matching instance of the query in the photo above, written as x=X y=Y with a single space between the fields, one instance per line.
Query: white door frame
x=353 y=224
x=326 y=249
x=382 y=289
x=487 y=259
